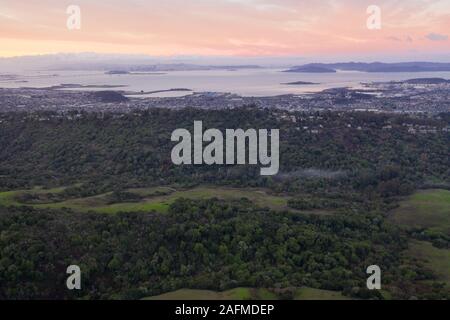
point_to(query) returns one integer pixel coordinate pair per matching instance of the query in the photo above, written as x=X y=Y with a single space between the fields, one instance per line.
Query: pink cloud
x=229 y=27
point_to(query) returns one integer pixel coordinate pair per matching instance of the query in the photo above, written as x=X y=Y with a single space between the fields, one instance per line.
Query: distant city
x=421 y=95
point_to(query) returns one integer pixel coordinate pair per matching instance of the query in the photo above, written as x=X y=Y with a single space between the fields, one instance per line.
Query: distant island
x=78 y=86
x=311 y=69
x=117 y=72
x=123 y=72
x=426 y=81
x=299 y=83
x=371 y=67
x=159 y=68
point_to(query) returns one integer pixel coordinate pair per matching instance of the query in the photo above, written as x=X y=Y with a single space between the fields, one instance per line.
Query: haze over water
x=246 y=82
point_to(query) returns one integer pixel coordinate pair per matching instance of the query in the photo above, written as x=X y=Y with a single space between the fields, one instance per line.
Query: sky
x=247 y=28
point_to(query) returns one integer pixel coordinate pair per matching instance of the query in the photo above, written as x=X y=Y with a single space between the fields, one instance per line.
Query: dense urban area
x=429 y=96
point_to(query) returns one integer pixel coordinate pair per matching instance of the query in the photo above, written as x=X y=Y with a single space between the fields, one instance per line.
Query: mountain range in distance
x=308 y=68
x=371 y=67
x=426 y=81
x=123 y=64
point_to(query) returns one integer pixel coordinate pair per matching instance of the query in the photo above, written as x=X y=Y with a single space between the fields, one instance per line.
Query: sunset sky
x=226 y=27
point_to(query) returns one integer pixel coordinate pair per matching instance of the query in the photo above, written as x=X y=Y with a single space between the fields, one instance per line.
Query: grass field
x=425 y=209
x=437 y=260
x=157 y=199
x=317 y=294
x=8 y=198
x=247 y=294
x=428 y=209
x=233 y=294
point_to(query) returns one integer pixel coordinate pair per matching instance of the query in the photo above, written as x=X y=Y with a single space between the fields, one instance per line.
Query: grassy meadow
x=153 y=199
x=303 y=293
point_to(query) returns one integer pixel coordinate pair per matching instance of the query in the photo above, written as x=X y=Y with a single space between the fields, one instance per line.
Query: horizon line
x=337 y=57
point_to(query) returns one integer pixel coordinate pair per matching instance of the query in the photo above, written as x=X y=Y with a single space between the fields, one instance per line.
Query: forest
x=342 y=173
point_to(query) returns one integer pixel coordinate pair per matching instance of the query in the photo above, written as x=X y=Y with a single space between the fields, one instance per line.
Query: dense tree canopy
x=356 y=165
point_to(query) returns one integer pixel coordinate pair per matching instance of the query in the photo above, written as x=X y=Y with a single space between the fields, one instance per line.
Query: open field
x=189 y=294
x=428 y=209
x=247 y=294
x=437 y=260
x=425 y=209
x=306 y=293
x=153 y=199
x=8 y=198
